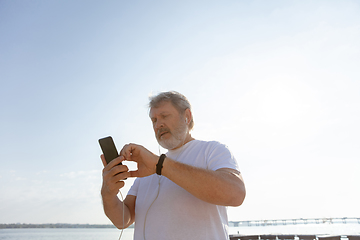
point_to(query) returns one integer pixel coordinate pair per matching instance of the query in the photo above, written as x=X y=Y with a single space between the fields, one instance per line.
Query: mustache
x=161 y=131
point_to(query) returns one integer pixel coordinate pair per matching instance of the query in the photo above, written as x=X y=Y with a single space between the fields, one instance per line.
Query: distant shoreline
x=55 y=225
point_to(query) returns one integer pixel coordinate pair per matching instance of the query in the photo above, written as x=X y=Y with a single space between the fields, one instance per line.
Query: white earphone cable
x=158 y=189
x=150 y=206
x=123 y=215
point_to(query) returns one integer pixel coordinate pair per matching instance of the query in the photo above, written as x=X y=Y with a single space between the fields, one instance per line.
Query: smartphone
x=108 y=148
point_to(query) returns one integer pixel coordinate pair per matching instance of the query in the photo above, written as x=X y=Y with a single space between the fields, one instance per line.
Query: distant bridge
x=276 y=222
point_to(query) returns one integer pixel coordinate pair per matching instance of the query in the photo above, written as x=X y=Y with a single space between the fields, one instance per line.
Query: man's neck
x=188 y=138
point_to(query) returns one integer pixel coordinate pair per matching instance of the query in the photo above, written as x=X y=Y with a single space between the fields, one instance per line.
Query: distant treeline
x=54 y=225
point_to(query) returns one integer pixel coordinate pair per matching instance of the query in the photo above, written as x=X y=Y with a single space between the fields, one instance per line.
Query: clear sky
x=277 y=81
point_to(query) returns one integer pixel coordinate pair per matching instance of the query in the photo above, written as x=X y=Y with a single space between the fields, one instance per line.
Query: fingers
x=113 y=178
x=121 y=170
x=115 y=170
x=134 y=173
x=137 y=173
x=129 y=150
x=116 y=175
x=103 y=160
x=112 y=170
x=111 y=189
x=112 y=163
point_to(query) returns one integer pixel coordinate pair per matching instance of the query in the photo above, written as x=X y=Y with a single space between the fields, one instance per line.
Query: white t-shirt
x=170 y=211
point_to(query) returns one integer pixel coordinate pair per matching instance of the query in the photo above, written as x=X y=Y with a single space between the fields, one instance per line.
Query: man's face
x=169 y=126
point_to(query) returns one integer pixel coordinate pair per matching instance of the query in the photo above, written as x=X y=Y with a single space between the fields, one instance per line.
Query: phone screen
x=108 y=148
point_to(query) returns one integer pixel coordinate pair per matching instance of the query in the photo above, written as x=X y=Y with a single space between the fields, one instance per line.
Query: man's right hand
x=113 y=176
x=113 y=180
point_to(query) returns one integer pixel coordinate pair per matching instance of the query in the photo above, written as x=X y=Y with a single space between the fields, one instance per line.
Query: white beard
x=177 y=139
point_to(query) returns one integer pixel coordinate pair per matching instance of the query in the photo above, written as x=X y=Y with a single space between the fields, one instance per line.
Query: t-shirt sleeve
x=134 y=188
x=219 y=156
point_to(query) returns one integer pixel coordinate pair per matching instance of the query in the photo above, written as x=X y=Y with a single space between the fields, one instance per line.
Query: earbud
x=186 y=120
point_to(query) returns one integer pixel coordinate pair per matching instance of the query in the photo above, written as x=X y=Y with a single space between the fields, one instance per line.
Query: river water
x=113 y=234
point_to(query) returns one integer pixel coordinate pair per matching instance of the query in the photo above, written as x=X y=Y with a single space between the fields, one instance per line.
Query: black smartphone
x=108 y=148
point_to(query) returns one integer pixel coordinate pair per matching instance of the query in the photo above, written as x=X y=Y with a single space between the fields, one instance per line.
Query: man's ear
x=188 y=116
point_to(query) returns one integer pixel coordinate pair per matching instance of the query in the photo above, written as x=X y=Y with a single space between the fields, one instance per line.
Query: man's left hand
x=146 y=160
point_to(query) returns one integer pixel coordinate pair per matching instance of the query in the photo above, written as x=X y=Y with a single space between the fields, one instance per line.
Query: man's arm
x=113 y=209
x=121 y=214
x=222 y=187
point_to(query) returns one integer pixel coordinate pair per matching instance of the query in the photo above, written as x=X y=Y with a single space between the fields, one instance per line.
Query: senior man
x=180 y=195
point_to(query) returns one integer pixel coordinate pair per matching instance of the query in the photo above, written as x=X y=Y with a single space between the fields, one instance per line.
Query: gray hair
x=179 y=101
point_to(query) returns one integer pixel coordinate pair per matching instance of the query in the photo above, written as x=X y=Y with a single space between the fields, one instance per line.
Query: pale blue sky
x=277 y=81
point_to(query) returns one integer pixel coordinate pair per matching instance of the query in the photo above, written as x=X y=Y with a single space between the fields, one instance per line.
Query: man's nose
x=159 y=124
